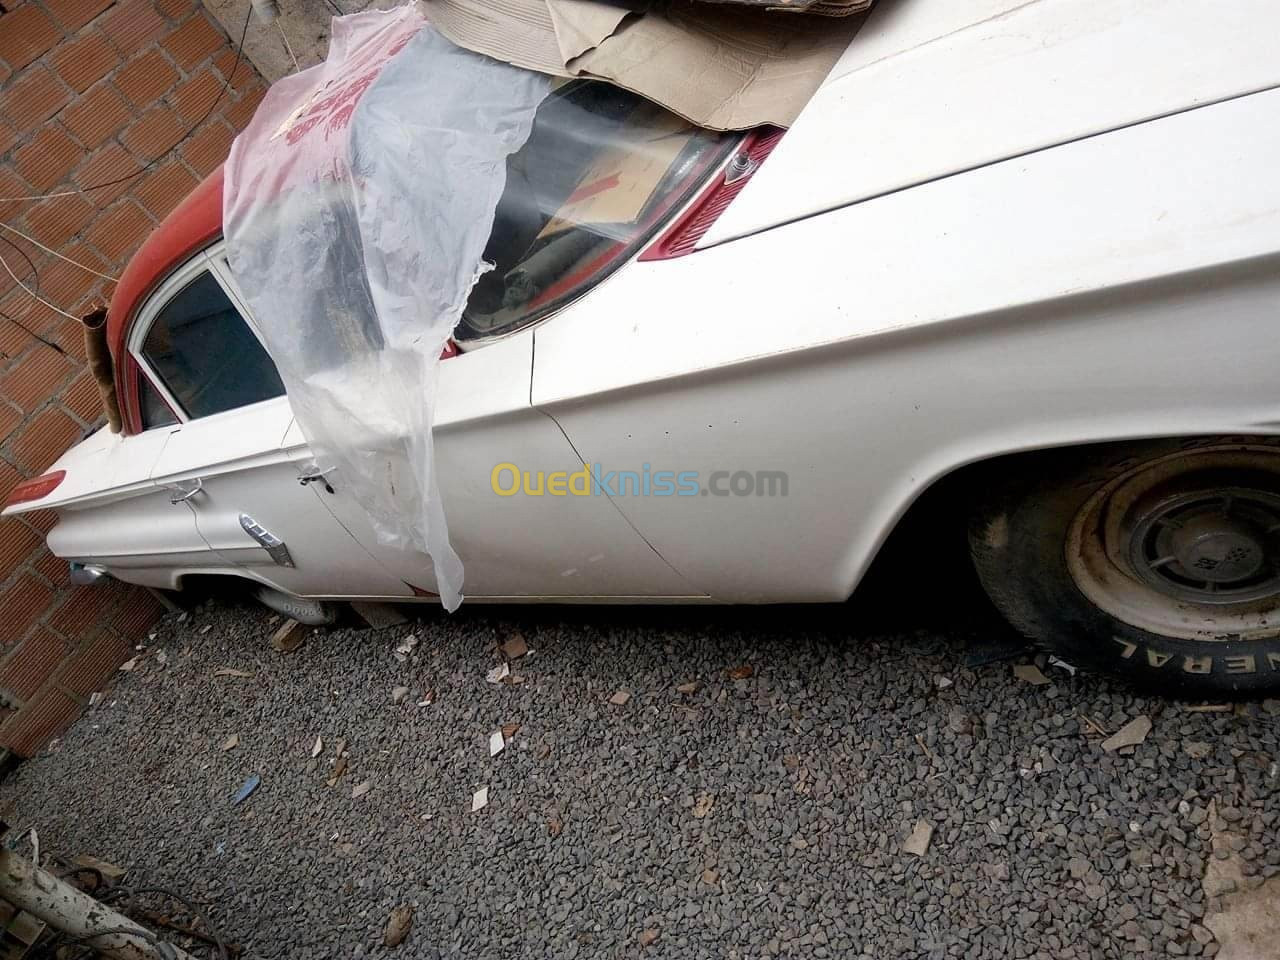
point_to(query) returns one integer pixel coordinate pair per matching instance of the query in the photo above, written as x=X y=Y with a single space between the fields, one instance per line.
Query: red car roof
x=194 y=224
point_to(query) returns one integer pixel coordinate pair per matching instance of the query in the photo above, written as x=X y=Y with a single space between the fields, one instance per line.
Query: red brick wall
x=90 y=90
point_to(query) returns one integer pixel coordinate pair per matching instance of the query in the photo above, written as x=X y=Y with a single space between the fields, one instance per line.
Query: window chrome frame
x=209 y=260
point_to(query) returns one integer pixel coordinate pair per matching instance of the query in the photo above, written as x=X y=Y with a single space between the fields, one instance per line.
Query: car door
x=224 y=461
x=601 y=173
x=543 y=547
x=113 y=517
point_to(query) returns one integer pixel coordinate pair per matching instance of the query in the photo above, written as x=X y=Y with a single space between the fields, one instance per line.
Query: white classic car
x=1035 y=246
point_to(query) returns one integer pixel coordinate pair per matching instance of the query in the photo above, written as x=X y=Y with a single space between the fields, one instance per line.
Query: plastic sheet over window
x=356 y=208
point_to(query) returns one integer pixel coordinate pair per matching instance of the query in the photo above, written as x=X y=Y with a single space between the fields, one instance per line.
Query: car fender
x=1081 y=294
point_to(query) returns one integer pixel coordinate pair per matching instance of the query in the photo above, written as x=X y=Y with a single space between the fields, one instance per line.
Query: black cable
x=50 y=947
x=119 y=932
x=128 y=893
x=226 y=85
x=35 y=274
x=32 y=334
x=61 y=938
x=99 y=881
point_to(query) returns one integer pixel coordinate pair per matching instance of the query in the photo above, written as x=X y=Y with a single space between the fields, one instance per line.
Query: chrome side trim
x=274 y=546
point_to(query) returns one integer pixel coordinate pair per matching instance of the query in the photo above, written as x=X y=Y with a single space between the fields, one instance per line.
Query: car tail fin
x=35 y=488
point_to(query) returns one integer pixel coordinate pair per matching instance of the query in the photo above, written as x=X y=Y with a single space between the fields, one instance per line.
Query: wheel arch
x=963 y=482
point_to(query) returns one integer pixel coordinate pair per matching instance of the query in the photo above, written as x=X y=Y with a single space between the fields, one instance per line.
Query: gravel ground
x=748 y=818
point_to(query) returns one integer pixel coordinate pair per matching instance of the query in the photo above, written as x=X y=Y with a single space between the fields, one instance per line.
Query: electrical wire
x=36 y=277
x=110 y=895
x=35 y=273
x=34 y=242
x=288 y=47
x=244 y=32
x=128 y=894
x=32 y=334
x=32 y=294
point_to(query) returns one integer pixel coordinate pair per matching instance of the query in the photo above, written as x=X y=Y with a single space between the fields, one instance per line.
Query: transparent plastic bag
x=356 y=209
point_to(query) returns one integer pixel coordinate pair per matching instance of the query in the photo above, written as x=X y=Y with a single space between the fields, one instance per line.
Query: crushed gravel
x=699 y=815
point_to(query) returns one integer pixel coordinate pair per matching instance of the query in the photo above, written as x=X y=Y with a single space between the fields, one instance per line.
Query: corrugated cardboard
x=726 y=68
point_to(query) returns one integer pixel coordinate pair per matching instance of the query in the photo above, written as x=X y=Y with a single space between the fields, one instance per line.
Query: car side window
x=204 y=353
x=155 y=412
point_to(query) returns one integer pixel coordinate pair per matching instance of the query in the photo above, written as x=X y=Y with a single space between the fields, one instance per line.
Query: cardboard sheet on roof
x=722 y=67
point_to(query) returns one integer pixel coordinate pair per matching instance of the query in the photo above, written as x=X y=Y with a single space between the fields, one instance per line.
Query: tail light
x=37 y=488
x=684 y=234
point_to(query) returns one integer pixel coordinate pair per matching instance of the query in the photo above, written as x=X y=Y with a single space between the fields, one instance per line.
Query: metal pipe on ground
x=75 y=913
x=100 y=366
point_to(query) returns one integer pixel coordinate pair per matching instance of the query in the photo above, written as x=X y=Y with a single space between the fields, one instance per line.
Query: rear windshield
x=601 y=172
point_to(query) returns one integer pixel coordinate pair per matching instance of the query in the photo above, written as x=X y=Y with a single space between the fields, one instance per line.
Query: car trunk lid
x=929 y=89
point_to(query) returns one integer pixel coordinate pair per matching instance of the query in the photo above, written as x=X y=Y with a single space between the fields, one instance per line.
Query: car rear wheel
x=1157 y=562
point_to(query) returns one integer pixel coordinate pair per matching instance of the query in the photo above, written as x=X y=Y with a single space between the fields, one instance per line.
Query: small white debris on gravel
x=288 y=637
x=592 y=839
x=702 y=806
x=496 y=743
x=480 y=799
x=405 y=647
x=1030 y=673
x=918 y=842
x=398 y=694
x=317 y=747
x=620 y=698
x=1063 y=665
x=1130 y=735
x=398 y=925
x=231 y=742
x=498 y=673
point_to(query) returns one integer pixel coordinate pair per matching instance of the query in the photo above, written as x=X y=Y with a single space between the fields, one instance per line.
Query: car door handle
x=313 y=474
x=181 y=493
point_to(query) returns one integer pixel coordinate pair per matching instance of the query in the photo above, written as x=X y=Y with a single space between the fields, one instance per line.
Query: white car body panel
x=930 y=88
x=240 y=470
x=113 y=514
x=1075 y=295
x=249 y=460
x=515 y=548
x=1118 y=277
